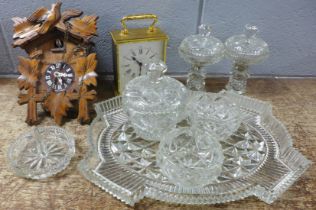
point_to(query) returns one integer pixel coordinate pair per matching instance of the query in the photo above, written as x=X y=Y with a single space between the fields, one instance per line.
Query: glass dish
x=154 y=103
x=215 y=114
x=190 y=157
x=41 y=153
x=259 y=159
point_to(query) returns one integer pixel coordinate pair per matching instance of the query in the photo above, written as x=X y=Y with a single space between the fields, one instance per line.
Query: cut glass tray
x=259 y=159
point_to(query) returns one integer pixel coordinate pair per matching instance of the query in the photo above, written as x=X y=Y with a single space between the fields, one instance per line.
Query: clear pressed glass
x=200 y=50
x=215 y=114
x=190 y=157
x=154 y=102
x=245 y=49
x=259 y=159
x=41 y=153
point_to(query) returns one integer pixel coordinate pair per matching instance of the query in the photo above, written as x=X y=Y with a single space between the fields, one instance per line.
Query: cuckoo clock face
x=59 y=76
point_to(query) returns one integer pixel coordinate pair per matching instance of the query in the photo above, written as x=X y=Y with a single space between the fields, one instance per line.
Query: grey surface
x=289 y=27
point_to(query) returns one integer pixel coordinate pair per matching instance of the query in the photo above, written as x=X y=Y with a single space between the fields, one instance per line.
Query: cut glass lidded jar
x=154 y=103
x=190 y=157
x=200 y=50
x=245 y=49
x=216 y=114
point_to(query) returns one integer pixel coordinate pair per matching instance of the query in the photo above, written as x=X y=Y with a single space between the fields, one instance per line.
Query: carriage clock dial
x=134 y=56
x=59 y=76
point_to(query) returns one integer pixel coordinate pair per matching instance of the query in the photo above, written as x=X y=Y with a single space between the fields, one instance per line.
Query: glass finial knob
x=205 y=30
x=156 y=70
x=250 y=30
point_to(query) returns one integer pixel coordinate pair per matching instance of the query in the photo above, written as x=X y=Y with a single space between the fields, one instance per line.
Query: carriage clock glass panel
x=134 y=47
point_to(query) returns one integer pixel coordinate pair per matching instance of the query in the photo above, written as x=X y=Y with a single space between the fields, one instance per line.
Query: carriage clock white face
x=59 y=76
x=133 y=57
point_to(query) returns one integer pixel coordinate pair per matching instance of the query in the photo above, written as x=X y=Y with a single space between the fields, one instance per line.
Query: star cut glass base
x=41 y=153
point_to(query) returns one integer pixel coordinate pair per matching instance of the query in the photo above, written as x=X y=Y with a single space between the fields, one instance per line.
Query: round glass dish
x=216 y=114
x=190 y=157
x=41 y=153
x=154 y=103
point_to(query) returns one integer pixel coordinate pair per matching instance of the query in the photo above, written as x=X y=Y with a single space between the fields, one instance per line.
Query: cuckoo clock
x=59 y=71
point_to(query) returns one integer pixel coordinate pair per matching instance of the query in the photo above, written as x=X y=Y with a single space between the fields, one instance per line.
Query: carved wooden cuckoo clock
x=59 y=71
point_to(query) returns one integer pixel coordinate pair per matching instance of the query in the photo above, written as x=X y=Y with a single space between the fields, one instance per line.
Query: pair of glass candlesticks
x=202 y=50
x=189 y=126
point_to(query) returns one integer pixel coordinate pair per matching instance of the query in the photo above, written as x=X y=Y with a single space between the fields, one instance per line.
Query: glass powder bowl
x=190 y=158
x=154 y=103
x=200 y=50
x=41 y=153
x=245 y=49
x=215 y=114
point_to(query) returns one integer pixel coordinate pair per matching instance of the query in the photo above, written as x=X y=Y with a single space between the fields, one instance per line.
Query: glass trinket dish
x=41 y=153
x=154 y=103
x=200 y=50
x=190 y=157
x=245 y=49
x=214 y=113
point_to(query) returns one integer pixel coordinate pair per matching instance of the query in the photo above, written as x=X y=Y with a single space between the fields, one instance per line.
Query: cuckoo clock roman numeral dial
x=59 y=76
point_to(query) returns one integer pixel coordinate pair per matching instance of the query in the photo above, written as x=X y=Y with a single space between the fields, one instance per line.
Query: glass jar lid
x=247 y=48
x=202 y=48
x=154 y=92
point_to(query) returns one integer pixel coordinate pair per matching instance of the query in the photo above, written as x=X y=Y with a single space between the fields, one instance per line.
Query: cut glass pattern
x=41 y=153
x=259 y=159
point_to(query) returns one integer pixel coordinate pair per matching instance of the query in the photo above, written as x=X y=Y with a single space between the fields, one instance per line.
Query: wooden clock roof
x=44 y=21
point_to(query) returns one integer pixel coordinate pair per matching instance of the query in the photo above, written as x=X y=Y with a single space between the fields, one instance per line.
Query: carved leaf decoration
x=86 y=26
x=86 y=69
x=38 y=14
x=85 y=96
x=90 y=76
x=21 y=24
x=29 y=69
x=70 y=13
x=57 y=104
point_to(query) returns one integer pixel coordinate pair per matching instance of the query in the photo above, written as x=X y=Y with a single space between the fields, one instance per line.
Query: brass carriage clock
x=132 y=48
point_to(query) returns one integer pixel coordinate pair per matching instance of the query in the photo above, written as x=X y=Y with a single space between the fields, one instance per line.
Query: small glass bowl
x=189 y=157
x=215 y=114
x=41 y=153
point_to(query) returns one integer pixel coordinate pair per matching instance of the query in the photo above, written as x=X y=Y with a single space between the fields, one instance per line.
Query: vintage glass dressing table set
x=159 y=138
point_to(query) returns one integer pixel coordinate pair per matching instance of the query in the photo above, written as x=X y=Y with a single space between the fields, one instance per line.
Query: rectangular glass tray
x=259 y=159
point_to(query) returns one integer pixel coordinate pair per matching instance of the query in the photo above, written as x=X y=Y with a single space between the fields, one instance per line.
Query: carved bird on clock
x=46 y=18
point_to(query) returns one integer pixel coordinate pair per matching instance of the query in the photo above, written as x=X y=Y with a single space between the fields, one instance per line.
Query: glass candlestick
x=200 y=50
x=245 y=49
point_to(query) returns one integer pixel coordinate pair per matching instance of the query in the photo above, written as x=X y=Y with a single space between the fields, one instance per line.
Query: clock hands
x=139 y=63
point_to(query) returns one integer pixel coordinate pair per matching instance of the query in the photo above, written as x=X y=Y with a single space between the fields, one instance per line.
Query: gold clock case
x=133 y=35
